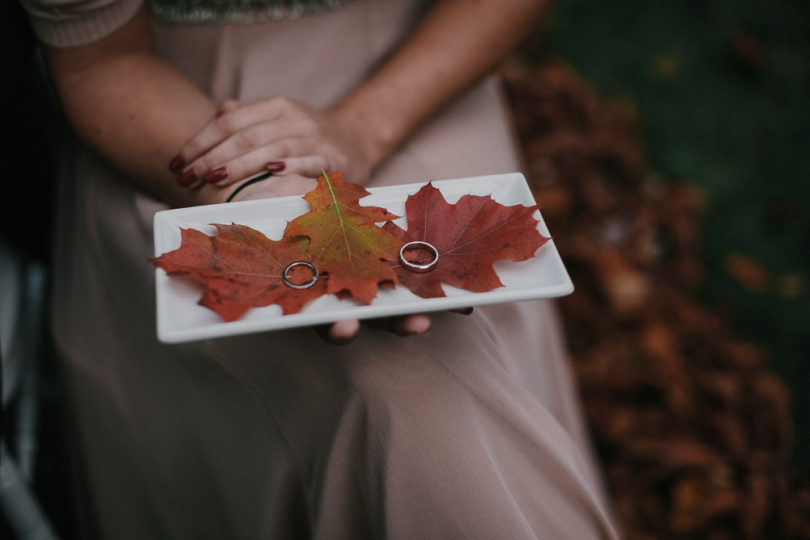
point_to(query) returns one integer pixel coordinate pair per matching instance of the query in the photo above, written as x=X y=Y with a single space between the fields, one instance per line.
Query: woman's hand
x=277 y=135
x=344 y=331
x=428 y=71
x=417 y=324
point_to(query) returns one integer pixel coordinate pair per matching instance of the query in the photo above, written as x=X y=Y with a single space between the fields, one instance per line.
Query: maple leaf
x=469 y=235
x=241 y=268
x=344 y=241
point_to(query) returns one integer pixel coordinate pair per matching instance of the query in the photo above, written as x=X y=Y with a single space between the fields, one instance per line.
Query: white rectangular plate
x=180 y=318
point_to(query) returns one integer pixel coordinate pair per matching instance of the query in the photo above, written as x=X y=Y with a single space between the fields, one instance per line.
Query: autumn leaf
x=469 y=235
x=344 y=241
x=241 y=268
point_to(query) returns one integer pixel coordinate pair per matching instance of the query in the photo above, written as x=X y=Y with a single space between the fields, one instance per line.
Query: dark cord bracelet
x=246 y=183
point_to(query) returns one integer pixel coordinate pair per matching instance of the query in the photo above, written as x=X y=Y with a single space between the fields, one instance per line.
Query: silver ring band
x=414 y=267
x=285 y=275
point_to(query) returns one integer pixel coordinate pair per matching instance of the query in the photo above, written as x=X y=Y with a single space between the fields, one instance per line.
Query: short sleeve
x=72 y=23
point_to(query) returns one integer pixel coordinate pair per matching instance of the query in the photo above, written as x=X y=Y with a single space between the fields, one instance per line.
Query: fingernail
x=275 y=166
x=177 y=163
x=188 y=177
x=215 y=175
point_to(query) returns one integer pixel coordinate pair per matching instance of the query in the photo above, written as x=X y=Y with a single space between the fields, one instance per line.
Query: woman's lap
x=417 y=437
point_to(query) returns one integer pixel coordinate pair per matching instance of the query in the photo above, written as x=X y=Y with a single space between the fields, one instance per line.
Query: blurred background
x=721 y=90
x=668 y=144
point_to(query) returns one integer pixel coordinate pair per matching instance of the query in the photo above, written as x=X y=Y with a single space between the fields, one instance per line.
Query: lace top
x=61 y=23
x=193 y=11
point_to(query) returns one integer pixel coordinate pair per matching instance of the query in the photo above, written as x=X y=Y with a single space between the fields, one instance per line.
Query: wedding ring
x=286 y=278
x=414 y=267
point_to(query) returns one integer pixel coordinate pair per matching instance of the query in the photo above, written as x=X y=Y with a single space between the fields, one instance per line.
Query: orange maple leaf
x=344 y=240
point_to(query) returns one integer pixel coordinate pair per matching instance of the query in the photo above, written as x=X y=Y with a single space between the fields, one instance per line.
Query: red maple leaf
x=344 y=240
x=469 y=235
x=241 y=268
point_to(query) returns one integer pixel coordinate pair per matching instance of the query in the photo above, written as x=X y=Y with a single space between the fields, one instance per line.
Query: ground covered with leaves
x=693 y=429
x=678 y=199
x=720 y=90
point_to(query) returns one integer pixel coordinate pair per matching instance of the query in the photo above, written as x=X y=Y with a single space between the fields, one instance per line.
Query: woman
x=469 y=431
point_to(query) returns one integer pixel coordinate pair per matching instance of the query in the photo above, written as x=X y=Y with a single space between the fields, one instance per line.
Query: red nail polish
x=177 y=163
x=188 y=177
x=215 y=175
x=275 y=166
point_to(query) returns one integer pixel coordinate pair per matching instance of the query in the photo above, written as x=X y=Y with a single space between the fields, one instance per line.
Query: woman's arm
x=456 y=44
x=132 y=108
